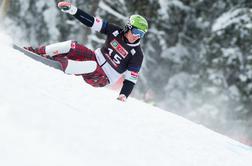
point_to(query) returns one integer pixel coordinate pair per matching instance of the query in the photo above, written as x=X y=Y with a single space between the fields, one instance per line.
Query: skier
x=121 y=53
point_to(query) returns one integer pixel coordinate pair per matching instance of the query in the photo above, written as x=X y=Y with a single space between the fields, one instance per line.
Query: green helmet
x=139 y=22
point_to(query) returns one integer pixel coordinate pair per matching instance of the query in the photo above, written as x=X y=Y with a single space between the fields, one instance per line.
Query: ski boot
x=39 y=51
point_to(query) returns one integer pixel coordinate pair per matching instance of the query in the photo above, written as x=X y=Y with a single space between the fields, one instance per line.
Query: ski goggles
x=137 y=32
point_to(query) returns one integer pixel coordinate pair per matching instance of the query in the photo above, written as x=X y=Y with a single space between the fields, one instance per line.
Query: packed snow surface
x=48 y=118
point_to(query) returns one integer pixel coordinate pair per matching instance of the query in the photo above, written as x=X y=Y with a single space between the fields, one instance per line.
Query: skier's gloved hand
x=122 y=97
x=67 y=7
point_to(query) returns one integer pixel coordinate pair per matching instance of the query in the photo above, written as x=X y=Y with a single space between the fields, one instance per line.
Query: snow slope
x=48 y=118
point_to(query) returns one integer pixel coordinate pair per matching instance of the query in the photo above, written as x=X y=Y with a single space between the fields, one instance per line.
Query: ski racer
x=120 y=54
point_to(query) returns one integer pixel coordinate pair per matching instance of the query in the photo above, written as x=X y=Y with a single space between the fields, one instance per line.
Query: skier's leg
x=80 y=52
x=58 y=48
x=78 y=59
x=52 y=49
x=80 y=67
x=97 y=78
x=75 y=59
x=86 y=57
x=39 y=51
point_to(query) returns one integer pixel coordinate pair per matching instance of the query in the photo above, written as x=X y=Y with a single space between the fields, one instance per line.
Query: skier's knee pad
x=59 y=48
x=80 y=67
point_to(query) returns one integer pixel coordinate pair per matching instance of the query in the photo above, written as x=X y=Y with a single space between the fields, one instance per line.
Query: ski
x=44 y=60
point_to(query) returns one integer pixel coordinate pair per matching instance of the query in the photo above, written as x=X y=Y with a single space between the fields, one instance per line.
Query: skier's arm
x=131 y=74
x=128 y=84
x=94 y=23
x=86 y=19
x=126 y=90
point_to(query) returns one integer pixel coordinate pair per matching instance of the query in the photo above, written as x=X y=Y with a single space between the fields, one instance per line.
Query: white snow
x=232 y=54
x=175 y=53
x=48 y=118
x=107 y=8
x=50 y=16
x=165 y=5
x=234 y=16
